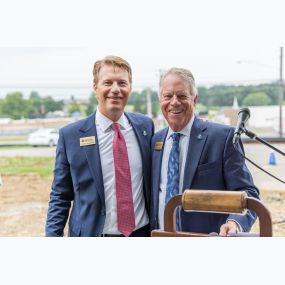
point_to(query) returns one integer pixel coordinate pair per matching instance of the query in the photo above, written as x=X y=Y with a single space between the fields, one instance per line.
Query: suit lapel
x=198 y=138
x=93 y=156
x=156 y=167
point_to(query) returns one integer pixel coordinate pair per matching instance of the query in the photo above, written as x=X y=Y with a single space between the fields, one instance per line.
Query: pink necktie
x=124 y=196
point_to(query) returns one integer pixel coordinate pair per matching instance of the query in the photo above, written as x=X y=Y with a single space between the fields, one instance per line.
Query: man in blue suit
x=203 y=157
x=85 y=174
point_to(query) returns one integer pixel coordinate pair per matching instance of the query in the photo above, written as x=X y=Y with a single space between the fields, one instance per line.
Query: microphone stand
x=255 y=137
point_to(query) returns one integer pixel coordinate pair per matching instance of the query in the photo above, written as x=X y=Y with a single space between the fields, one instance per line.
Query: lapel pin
x=87 y=141
x=199 y=137
x=144 y=133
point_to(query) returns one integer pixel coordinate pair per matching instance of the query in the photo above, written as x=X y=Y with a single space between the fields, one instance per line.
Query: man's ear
x=94 y=87
x=196 y=99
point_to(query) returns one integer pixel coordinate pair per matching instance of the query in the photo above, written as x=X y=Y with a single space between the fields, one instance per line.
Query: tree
x=154 y=103
x=15 y=106
x=73 y=106
x=200 y=108
x=138 y=101
x=51 y=105
x=256 y=99
x=223 y=95
x=92 y=104
x=203 y=95
x=1 y=112
x=36 y=104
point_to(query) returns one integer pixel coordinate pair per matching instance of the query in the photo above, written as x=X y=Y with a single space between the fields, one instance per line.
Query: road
x=260 y=154
x=257 y=152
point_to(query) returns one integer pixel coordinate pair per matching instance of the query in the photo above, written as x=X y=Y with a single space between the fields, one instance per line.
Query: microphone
x=243 y=116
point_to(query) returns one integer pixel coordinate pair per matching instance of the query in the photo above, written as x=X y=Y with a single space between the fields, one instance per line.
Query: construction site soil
x=24 y=204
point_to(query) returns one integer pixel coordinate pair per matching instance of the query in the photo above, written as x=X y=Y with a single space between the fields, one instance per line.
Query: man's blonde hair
x=114 y=61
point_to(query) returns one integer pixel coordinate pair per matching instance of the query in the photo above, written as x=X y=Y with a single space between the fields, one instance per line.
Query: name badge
x=87 y=141
x=158 y=145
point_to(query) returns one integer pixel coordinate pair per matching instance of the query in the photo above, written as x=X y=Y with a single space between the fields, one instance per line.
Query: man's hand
x=230 y=227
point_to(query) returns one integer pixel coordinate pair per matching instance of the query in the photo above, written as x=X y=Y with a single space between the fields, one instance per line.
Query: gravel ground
x=24 y=202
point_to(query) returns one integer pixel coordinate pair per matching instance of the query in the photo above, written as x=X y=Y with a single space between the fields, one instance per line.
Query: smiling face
x=176 y=101
x=112 y=90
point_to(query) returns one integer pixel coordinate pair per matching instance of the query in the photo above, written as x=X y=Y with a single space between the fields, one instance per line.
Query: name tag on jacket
x=158 y=145
x=87 y=141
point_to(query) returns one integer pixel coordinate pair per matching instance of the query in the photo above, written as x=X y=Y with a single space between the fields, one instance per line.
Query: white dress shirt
x=105 y=135
x=183 y=148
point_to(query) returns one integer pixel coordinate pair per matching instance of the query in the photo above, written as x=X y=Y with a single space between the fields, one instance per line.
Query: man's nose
x=174 y=100
x=115 y=88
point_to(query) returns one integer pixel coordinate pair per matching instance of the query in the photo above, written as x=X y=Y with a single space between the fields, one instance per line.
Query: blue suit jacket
x=78 y=178
x=212 y=163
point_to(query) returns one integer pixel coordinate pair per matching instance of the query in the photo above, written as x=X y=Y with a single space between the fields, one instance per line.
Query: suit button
x=103 y=212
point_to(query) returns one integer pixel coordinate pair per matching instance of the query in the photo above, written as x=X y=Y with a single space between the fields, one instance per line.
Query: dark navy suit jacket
x=78 y=178
x=212 y=164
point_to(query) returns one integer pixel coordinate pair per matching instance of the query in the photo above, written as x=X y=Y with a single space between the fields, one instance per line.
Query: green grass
x=15 y=146
x=20 y=165
x=13 y=139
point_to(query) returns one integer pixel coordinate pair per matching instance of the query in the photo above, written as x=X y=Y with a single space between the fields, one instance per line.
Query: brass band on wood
x=214 y=201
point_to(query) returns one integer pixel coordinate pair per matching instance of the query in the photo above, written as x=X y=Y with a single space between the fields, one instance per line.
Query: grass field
x=16 y=146
x=13 y=138
x=42 y=166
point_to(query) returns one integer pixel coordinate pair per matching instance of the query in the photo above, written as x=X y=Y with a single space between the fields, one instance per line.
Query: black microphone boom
x=243 y=116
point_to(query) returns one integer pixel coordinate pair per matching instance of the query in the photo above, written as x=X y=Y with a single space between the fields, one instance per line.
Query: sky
x=51 y=46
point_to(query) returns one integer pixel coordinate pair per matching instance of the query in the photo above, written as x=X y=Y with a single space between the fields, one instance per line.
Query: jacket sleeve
x=61 y=193
x=238 y=177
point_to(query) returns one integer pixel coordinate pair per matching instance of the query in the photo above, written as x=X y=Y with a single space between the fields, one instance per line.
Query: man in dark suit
x=195 y=154
x=103 y=164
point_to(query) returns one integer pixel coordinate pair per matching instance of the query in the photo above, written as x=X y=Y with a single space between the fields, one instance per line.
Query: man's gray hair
x=184 y=74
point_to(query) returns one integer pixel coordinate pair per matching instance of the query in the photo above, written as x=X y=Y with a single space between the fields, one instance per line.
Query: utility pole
x=148 y=103
x=281 y=94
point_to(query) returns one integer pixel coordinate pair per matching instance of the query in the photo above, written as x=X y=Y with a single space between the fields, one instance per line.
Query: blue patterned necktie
x=172 y=187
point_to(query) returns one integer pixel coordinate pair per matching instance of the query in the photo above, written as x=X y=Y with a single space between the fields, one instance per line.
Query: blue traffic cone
x=272 y=159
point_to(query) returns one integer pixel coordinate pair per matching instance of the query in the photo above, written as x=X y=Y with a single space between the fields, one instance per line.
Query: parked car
x=46 y=136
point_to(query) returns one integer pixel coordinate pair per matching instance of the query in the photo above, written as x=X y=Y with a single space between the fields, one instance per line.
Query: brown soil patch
x=275 y=203
x=24 y=203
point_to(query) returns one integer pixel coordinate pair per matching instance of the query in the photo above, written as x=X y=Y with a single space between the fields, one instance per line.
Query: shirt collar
x=105 y=123
x=185 y=131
